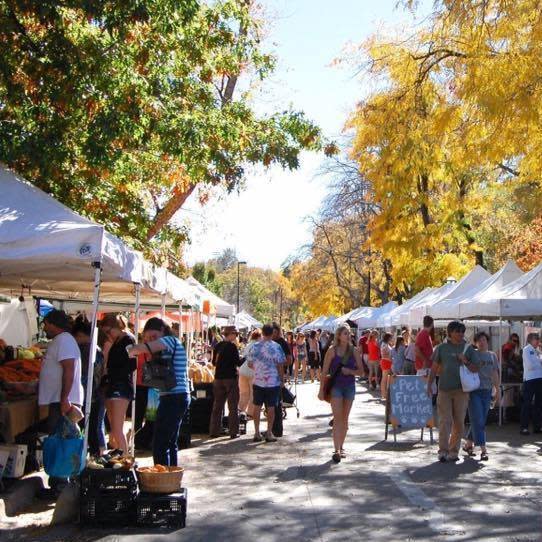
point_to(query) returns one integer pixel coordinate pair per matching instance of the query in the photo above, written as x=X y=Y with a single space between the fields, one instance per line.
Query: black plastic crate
x=185 y=433
x=158 y=510
x=98 y=480
x=203 y=391
x=108 y=508
x=200 y=415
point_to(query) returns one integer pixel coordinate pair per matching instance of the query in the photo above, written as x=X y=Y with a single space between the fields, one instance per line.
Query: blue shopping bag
x=63 y=451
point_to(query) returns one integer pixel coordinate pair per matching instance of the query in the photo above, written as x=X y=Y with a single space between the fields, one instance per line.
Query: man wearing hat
x=60 y=377
x=226 y=385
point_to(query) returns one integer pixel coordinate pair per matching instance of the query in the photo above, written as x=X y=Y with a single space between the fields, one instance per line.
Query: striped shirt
x=180 y=364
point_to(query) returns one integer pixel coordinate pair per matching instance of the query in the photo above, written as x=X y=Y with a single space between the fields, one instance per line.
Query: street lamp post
x=239 y=264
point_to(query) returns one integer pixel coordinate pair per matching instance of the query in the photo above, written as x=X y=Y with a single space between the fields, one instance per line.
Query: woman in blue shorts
x=345 y=360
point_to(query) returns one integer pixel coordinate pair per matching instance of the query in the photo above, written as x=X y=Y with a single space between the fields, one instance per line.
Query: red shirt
x=425 y=344
x=373 y=350
x=363 y=345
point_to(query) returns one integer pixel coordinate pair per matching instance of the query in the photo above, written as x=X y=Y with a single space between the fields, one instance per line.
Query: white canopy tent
x=450 y=308
x=393 y=317
x=470 y=281
x=369 y=316
x=52 y=252
x=329 y=324
x=244 y=320
x=348 y=316
x=223 y=308
x=315 y=324
x=521 y=299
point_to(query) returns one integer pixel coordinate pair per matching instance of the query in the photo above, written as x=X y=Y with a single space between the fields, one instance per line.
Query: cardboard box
x=16 y=461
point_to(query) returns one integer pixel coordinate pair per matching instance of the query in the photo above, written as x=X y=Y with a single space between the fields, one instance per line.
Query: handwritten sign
x=411 y=407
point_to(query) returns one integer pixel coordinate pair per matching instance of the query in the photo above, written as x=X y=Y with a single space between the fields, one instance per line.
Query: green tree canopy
x=120 y=108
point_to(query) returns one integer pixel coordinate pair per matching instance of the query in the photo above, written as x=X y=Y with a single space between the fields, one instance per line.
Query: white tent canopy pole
x=137 y=310
x=92 y=354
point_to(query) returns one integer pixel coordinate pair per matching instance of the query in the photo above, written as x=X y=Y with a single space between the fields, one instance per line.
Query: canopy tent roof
x=315 y=324
x=348 y=316
x=368 y=316
x=393 y=317
x=450 y=308
x=52 y=251
x=329 y=324
x=474 y=279
x=520 y=299
x=244 y=320
x=202 y=294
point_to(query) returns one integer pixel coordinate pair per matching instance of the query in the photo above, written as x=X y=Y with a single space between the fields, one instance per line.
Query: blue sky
x=306 y=36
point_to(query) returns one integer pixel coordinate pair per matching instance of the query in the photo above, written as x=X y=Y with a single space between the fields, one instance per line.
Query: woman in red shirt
x=385 y=363
x=374 y=359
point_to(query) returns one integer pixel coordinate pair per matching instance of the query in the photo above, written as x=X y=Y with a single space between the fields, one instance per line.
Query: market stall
x=472 y=280
x=58 y=255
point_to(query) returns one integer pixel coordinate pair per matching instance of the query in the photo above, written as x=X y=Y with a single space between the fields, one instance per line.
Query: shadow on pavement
x=309 y=472
x=444 y=472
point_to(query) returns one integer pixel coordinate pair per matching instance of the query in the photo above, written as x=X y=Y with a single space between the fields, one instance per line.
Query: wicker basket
x=161 y=482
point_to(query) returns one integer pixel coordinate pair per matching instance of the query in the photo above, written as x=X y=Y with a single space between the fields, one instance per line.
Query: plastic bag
x=63 y=451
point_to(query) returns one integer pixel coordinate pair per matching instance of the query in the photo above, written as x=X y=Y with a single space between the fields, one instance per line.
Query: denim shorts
x=347 y=392
x=119 y=390
x=266 y=396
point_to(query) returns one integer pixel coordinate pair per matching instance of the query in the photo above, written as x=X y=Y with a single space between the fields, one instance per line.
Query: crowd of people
x=251 y=372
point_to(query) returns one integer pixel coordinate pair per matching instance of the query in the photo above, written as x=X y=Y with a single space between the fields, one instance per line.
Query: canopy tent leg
x=181 y=321
x=163 y=307
x=137 y=310
x=93 y=349
x=499 y=357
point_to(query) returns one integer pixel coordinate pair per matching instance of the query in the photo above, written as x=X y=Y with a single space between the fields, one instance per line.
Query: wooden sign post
x=408 y=406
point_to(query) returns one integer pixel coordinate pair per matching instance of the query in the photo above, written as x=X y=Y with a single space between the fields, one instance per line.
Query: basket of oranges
x=160 y=479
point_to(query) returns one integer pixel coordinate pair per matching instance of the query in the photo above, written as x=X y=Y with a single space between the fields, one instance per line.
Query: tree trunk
x=176 y=201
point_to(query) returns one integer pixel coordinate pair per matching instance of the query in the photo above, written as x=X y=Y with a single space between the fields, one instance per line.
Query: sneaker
x=442 y=457
x=257 y=438
x=524 y=432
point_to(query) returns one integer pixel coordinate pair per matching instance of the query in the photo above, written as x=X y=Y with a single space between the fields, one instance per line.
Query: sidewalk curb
x=19 y=497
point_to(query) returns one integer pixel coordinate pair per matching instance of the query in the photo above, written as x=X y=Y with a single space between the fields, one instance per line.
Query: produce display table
x=17 y=416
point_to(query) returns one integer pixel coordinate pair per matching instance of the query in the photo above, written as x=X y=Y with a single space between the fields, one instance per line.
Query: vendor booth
x=48 y=251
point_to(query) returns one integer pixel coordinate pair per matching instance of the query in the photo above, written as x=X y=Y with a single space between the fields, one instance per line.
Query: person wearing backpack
x=341 y=366
x=174 y=390
x=452 y=401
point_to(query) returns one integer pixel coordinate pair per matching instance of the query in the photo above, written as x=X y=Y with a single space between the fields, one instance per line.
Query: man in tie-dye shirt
x=267 y=359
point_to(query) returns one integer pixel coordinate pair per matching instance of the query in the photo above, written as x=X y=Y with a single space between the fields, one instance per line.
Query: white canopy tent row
x=315 y=324
x=348 y=316
x=471 y=281
x=368 y=317
x=520 y=299
x=393 y=318
x=243 y=320
x=223 y=308
x=450 y=308
x=52 y=252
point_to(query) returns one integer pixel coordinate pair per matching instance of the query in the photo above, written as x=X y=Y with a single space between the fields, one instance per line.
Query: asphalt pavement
x=383 y=491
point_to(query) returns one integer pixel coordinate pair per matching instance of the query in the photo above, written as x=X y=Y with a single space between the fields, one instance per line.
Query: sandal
x=336 y=457
x=343 y=453
x=469 y=450
x=484 y=456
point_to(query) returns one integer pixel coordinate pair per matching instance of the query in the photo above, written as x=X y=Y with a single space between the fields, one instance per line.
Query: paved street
x=291 y=490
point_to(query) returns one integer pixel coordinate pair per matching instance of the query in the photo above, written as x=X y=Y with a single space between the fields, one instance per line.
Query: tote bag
x=63 y=451
x=469 y=381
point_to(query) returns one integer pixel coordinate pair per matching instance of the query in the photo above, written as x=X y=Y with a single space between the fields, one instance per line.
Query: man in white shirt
x=532 y=386
x=60 y=377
